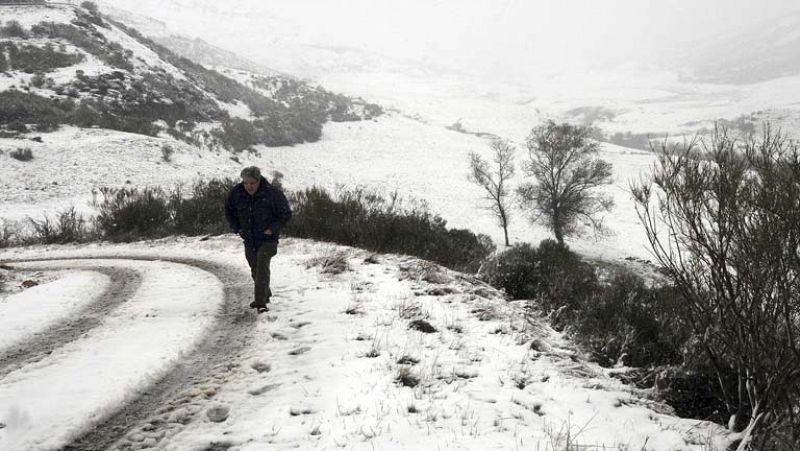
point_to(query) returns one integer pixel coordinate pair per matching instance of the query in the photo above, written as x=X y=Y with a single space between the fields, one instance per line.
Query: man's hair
x=251 y=172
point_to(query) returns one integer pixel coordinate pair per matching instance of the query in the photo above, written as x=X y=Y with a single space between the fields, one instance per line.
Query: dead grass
x=406 y=377
x=422 y=326
x=332 y=263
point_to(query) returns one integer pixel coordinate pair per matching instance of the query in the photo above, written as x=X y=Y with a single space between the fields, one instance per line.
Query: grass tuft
x=422 y=326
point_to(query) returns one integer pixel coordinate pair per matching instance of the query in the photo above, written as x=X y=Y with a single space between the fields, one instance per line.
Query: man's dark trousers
x=259 y=260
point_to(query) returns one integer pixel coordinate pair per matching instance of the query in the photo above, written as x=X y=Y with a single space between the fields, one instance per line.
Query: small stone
x=261 y=367
x=218 y=414
x=195 y=392
x=179 y=416
x=209 y=392
x=29 y=283
x=136 y=437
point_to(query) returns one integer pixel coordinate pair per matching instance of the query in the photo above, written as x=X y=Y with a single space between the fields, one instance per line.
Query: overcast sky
x=482 y=35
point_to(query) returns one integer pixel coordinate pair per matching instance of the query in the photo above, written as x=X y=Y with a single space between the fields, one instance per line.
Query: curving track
x=231 y=330
x=124 y=283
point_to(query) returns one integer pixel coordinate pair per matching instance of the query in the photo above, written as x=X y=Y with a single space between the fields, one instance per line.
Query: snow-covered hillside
x=641 y=100
x=393 y=153
x=66 y=65
x=761 y=52
x=343 y=360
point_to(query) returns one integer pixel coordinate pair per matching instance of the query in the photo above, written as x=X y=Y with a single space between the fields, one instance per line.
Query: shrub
x=551 y=276
x=90 y=6
x=84 y=36
x=12 y=29
x=202 y=212
x=70 y=227
x=631 y=140
x=726 y=230
x=621 y=319
x=166 y=152
x=38 y=80
x=18 y=109
x=22 y=154
x=129 y=214
x=7 y=234
x=31 y=59
x=631 y=323
x=373 y=222
x=238 y=134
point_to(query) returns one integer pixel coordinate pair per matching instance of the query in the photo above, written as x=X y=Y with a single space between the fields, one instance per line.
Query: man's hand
x=268 y=232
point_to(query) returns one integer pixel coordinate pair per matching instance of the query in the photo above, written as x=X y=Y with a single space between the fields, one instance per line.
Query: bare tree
x=565 y=172
x=726 y=226
x=494 y=180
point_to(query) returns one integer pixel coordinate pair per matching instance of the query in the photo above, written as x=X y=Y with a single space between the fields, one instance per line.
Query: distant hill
x=765 y=51
x=66 y=65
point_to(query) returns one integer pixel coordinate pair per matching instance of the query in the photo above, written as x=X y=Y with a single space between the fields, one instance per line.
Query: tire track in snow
x=228 y=335
x=124 y=283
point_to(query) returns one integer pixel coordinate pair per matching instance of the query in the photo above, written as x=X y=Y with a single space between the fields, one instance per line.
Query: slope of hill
x=392 y=353
x=195 y=49
x=763 y=52
x=65 y=65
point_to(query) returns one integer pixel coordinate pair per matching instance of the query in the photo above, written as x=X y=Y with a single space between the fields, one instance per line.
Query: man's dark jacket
x=251 y=216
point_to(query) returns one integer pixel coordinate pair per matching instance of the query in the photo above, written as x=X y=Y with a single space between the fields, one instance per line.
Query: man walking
x=257 y=211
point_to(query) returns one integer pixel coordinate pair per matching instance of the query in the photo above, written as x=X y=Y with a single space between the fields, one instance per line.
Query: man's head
x=251 y=179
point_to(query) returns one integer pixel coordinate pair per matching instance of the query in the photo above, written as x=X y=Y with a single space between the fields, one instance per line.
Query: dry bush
x=727 y=231
x=334 y=262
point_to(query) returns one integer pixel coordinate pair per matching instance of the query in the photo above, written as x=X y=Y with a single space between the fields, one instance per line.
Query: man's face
x=250 y=185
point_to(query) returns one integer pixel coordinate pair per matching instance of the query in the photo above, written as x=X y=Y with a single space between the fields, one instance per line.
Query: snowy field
x=420 y=161
x=321 y=369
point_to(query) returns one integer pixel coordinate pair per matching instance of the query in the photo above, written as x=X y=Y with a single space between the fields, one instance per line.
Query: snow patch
x=51 y=401
x=35 y=309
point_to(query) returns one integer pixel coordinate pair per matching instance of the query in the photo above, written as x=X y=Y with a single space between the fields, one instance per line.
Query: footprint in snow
x=261 y=367
x=298 y=351
x=261 y=390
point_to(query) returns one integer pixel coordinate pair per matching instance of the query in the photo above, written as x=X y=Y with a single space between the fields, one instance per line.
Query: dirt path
x=230 y=332
x=124 y=283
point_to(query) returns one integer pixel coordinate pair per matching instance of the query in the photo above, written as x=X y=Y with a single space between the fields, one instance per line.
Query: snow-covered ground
x=38 y=307
x=420 y=161
x=48 y=402
x=321 y=369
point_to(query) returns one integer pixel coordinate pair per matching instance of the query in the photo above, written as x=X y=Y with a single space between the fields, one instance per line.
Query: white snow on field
x=322 y=370
x=28 y=16
x=33 y=310
x=431 y=164
x=393 y=153
x=44 y=404
x=73 y=163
